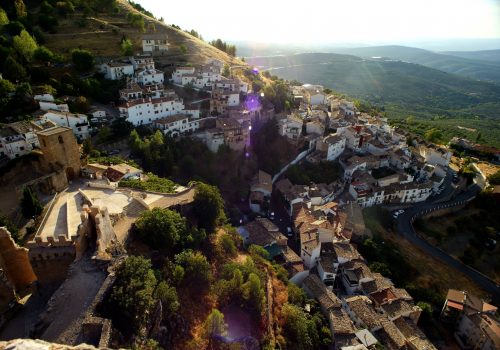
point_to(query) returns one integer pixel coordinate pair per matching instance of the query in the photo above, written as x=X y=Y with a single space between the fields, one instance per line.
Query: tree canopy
x=30 y=205
x=133 y=289
x=82 y=59
x=25 y=45
x=208 y=207
x=161 y=228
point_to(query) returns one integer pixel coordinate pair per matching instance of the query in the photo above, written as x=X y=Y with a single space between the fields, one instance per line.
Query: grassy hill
x=484 y=55
x=103 y=32
x=401 y=88
x=474 y=66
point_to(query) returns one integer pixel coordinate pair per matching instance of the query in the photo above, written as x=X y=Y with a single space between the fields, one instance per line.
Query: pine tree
x=30 y=205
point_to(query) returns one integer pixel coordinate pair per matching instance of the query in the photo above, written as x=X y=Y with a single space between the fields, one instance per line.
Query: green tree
x=296 y=328
x=25 y=45
x=253 y=293
x=228 y=246
x=82 y=59
x=161 y=228
x=183 y=49
x=30 y=205
x=433 y=135
x=6 y=87
x=3 y=17
x=197 y=271
x=136 y=20
x=43 y=55
x=214 y=325
x=226 y=72
x=81 y=104
x=493 y=179
x=208 y=207
x=296 y=295
x=14 y=231
x=133 y=289
x=168 y=297
x=478 y=137
x=127 y=48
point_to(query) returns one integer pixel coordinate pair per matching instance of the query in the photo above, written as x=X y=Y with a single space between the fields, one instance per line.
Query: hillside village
x=288 y=234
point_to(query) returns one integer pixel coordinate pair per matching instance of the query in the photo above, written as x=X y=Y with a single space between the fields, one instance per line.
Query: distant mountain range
x=480 y=65
x=484 y=55
x=401 y=87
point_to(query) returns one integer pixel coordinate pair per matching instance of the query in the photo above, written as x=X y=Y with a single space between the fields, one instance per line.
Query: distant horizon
x=455 y=44
x=336 y=23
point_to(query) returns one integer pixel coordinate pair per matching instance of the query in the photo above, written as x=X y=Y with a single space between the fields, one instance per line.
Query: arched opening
x=70 y=173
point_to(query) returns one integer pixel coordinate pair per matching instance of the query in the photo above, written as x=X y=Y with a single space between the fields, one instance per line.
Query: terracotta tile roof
x=383 y=296
x=325 y=297
x=263 y=232
x=340 y=322
x=399 y=308
x=376 y=284
x=362 y=307
x=413 y=334
x=391 y=337
x=347 y=251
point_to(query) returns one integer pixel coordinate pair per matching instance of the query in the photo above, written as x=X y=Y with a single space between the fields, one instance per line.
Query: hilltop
x=102 y=33
x=474 y=66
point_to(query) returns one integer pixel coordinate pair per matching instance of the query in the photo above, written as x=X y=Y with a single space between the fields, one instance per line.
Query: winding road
x=405 y=228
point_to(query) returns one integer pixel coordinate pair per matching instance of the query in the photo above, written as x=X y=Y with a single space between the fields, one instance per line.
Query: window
x=60 y=139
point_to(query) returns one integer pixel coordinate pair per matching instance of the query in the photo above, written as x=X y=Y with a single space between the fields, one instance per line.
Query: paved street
x=404 y=228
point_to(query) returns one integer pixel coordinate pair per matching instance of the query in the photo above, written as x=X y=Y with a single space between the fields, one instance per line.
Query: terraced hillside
x=103 y=33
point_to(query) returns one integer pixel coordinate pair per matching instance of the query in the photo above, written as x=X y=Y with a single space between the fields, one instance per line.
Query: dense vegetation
x=272 y=150
x=322 y=172
x=152 y=183
x=223 y=46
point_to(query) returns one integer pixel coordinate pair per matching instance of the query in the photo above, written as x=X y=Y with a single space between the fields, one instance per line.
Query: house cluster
x=476 y=322
x=380 y=167
x=363 y=307
x=20 y=138
x=367 y=308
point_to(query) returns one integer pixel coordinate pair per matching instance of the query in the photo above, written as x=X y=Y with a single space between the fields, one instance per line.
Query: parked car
x=270 y=215
x=289 y=232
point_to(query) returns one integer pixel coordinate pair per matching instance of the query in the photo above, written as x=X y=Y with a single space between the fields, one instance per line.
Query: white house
x=77 y=122
x=117 y=70
x=180 y=72
x=291 y=127
x=336 y=145
x=157 y=42
x=178 y=124
x=142 y=62
x=145 y=111
x=435 y=155
x=45 y=106
x=19 y=138
x=44 y=97
x=149 y=77
x=231 y=85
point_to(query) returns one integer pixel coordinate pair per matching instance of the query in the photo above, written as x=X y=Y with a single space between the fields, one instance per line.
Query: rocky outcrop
x=31 y=344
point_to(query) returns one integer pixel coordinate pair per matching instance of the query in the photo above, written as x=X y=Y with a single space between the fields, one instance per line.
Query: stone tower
x=61 y=155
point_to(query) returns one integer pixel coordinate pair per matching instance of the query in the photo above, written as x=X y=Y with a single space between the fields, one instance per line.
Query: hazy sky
x=331 y=21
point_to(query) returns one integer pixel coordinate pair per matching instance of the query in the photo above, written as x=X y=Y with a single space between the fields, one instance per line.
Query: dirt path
x=66 y=310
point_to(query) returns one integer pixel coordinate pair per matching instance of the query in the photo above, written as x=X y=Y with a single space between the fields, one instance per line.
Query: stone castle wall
x=15 y=262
